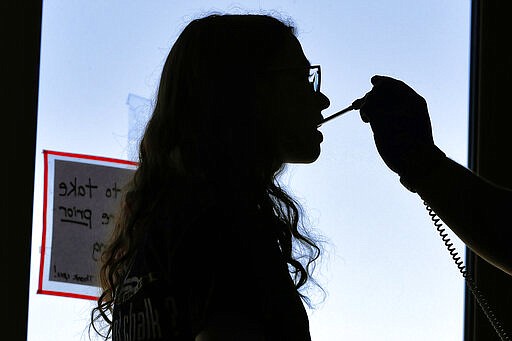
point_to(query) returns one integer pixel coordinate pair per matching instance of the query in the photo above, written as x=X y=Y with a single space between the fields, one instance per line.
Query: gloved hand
x=401 y=128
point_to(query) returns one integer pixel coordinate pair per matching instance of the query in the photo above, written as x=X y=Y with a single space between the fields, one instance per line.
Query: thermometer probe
x=356 y=105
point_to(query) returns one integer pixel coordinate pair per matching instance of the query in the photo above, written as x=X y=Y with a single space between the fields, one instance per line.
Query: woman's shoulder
x=214 y=221
x=194 y=233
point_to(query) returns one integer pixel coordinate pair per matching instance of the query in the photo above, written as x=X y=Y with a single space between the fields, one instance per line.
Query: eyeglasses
x=315 y=77
x=313 y=72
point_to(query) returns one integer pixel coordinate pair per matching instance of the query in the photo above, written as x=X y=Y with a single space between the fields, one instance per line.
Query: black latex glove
x=401 y=128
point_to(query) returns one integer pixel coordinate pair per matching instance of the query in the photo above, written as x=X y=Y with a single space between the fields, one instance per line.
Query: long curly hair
x=208 y=135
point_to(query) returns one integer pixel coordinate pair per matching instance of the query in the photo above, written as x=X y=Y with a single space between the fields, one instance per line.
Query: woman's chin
x=308 y=156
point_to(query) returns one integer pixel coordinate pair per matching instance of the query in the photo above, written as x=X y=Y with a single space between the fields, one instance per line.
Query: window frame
x=489 y=120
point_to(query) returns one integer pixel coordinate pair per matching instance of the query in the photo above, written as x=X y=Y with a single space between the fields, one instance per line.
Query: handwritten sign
x=82 y=195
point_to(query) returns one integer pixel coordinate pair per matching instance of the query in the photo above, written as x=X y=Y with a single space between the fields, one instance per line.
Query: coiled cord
x=480 y=298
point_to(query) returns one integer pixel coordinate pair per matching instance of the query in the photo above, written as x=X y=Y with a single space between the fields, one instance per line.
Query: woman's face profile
x=295 y=107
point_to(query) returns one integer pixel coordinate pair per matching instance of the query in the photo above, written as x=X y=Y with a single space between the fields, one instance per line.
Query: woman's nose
x=323 y=101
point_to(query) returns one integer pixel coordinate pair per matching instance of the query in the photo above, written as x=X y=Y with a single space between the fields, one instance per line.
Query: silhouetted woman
x=208 y=246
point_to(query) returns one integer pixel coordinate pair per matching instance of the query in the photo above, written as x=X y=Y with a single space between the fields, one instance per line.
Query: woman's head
x=234 y=101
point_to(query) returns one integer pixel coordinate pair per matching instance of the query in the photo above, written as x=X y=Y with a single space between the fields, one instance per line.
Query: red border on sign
x=90 y=157
x=40 y=289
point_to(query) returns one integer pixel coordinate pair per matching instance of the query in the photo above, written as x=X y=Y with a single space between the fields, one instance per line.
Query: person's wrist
x=418 y=168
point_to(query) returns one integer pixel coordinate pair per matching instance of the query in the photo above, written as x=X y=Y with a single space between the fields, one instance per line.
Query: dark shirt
x=223 y=264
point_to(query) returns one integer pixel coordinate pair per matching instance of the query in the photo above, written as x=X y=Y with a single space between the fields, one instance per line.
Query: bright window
x=386 y=272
